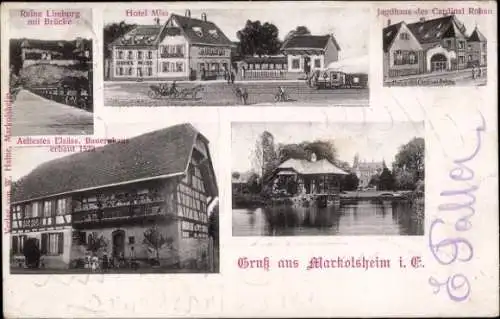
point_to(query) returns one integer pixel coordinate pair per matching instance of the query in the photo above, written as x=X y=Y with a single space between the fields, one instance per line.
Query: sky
x=81 y=27
x=25 y=159
x=470 y=21
x=372 y=141
x=350 y=26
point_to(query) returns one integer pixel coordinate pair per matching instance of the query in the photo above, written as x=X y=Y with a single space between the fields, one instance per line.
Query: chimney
x=188 y=13
x=388 y=22
x=422 y=19
x=204 y=16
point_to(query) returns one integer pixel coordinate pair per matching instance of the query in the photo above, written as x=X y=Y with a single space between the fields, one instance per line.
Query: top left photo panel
x=51 y=71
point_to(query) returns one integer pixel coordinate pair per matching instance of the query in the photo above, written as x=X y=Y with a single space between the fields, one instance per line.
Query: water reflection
x=368 y=217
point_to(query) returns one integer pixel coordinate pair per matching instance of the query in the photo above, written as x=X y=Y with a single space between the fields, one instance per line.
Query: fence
x=263 y=74
x=73 y=97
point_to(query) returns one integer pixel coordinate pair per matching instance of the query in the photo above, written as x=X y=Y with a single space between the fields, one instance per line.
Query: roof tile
x=153 y=154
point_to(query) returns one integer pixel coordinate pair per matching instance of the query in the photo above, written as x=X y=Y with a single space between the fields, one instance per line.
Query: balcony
x=119 y=214
x=39 y=222
x=166 y=55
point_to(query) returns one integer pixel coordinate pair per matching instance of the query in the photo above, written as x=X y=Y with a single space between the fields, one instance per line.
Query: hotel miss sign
x=213 y=51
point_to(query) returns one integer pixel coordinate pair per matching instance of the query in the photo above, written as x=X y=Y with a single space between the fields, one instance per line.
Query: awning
x=351 y=65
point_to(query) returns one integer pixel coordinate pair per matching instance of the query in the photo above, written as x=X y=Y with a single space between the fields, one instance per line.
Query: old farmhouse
x=162 y=180
x=182 y=48
x=435 y=45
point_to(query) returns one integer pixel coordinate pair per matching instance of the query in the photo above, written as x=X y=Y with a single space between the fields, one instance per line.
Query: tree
x=322 y=149
x=403 y=180
x=385 y=180
x=15 y=58
x=349 y=182
x=254 y=184
x=264 y=155
x=409 y=164
x=155 y=240
x=96 y=242
x=258 y=39
x=374 y=180
x=300 y=30
x=213 y=224
x=112 y=32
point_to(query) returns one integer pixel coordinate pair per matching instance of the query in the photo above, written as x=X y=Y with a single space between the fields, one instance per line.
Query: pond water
x=364 y=217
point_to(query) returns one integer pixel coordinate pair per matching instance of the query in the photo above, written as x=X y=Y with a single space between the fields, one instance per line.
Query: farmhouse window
x=150 y=54
x=130 y=55
x=317 y=63
x=61 y=206
x=140 y=55
x=129 y=71
x=295 y=64
x=404 y=36
x=52 y=243
x=120 y=71
x=461 y=44
x=405 y=57
x=150 y=71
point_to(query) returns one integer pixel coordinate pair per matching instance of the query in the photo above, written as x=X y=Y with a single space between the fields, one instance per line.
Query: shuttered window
x=15 y=244
x=44 y=244
x=52 y=244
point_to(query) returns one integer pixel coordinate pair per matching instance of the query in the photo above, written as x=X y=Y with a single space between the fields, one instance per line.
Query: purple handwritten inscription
x=449 y=250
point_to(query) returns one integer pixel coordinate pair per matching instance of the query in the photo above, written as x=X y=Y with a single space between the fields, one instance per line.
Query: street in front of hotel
x=219 y=93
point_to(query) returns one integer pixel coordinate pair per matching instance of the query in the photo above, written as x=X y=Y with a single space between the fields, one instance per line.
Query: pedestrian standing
x=473 y=72
x=133 y=262
x=105 y=262
x=233 y=75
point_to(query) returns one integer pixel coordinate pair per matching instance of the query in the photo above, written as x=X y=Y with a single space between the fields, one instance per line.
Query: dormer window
x=438 y=34
x=388 y=34
x=439 y=25
x=198 y=31
x=421 y=28
x=213 y=33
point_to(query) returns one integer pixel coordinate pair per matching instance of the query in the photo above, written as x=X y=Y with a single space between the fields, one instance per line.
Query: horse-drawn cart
x=159 y=92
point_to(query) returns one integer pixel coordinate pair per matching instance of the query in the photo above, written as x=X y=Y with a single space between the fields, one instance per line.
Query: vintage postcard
x=278 y=159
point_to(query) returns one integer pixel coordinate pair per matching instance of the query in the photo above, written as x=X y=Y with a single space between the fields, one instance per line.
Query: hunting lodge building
x=435 y=45
x=163 y=180
x=182 y=48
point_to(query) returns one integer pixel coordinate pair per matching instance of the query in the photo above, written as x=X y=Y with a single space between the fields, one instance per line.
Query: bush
x=32 y=253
